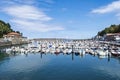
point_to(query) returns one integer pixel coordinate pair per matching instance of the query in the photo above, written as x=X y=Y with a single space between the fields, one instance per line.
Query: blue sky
x=60 y=18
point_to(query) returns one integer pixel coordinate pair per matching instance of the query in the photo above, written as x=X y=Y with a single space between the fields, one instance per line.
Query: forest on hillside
x=112 y=29
x=5 y=28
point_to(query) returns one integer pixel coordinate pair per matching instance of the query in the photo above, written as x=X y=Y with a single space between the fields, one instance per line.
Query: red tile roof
x=14 y=33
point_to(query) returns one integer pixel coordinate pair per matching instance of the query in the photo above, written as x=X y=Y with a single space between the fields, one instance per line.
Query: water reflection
x=73 y=55
x=31 y=63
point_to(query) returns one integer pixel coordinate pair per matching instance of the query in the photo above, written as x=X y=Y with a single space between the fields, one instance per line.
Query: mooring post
x=72 y=48
x=41 y=48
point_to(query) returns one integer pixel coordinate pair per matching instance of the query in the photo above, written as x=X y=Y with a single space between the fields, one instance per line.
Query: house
x=14 y=37
x=112 y=37
x=11 y=36
x=101 y=38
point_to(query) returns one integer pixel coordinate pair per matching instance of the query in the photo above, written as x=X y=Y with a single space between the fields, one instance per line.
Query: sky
x=74 y=19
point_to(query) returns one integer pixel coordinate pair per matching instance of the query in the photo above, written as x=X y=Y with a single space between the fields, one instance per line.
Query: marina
x=66 y=47
x=60 y=40
x=58 y=60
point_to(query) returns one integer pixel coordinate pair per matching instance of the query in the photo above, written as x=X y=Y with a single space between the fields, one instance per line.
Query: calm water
x=58 y=67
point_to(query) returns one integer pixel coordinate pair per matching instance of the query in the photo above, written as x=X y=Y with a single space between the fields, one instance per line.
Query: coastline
x=9 y=43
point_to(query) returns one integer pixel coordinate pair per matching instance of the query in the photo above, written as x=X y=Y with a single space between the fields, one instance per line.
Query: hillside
x=5 y=28
x=112 y=29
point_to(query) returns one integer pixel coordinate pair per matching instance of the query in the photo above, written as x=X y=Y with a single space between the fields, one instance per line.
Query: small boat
x=43 y=51
x=115 y=52
x=77 y=53
x=57 y=51
x=8 y=51
x=47 y=50
x=102 y=53
x=64 y=51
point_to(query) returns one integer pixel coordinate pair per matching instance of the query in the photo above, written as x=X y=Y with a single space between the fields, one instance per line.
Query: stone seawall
x=9 y=43
x=2 y=44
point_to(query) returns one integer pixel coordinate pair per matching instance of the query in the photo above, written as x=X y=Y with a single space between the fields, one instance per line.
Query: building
x=97 y=37
x=11 y=36
x=112 y=37
x=15 y=38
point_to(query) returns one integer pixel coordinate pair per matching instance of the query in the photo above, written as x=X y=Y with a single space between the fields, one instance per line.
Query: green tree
x=112 y=29
x=5 y=28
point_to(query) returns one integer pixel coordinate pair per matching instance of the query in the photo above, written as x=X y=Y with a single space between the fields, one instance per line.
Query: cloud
x=27 y=12
x=29 y=17
x=35 y=26
x=114 y=6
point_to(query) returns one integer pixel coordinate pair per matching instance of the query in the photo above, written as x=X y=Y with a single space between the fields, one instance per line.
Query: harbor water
x=53 y=66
